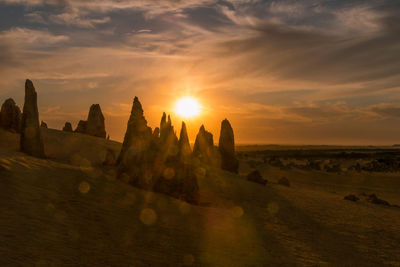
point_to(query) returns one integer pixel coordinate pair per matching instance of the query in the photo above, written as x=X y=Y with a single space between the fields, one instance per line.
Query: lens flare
x=187 y=107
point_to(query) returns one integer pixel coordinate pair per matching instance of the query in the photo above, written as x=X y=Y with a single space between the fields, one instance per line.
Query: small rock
x=67 y=127
x=256 y=177
x=375 y=200
x=10 y=116
x=43 y=124
x=284 y=181
x=351 y=198
x=81 y=128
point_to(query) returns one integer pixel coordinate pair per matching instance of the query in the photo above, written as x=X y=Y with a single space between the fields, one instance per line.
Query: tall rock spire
x=184 y=146
x=156 y=133
x=163 y=120
x=169 y=123
x=136 y=158
x=174 y=171
x=31 y=139
x=137 y=132
x=226 y=148
x=168 y=139
x=152 y=163
x=163 y=126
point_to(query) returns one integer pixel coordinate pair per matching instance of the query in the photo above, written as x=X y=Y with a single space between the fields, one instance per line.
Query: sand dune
x=54 y=213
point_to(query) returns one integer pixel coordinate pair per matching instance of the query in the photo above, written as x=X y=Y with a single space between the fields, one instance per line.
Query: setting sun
x=187 y=107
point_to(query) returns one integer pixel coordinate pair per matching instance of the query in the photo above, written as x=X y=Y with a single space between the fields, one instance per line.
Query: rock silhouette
x=94 y=125
x=43 y=124
x=81 y=128
x=256 y=177
x=204 y=141
x=203 y=144
x=284 y=181
x=168 y=143
x=184 y=149
x=163 y=126
x=226 y=147
x=150 y=160
x=95 y=122
x=156 y=133
x=204 y=148
x=174 y=171
x=68 y=127
x=10 y=116
x=135 y=158
x=31 y=139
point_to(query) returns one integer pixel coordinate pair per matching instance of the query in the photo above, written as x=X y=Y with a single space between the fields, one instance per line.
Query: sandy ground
x=54 y=213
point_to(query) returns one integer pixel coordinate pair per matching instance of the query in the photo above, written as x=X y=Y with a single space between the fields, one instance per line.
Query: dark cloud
x=387 y=111
x=303 y=54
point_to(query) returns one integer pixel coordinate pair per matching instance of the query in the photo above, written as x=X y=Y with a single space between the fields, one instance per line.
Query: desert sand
x=69 y=210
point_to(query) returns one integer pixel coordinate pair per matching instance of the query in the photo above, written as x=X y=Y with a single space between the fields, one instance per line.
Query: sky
x=282 y=72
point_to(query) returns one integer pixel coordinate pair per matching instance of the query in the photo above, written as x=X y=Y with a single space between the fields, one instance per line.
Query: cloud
x=73 y=16
x=24 y=2
x=75 y=20
x=24 y=37
x=35 y=17
x=311 y=55
x=362 y=19
x=391 y=112
x=150 y=7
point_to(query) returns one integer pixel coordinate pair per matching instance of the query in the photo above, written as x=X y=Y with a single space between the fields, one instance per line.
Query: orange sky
x=286 y=72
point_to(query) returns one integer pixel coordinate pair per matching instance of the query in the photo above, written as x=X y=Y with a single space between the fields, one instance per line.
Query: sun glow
x=187 y=107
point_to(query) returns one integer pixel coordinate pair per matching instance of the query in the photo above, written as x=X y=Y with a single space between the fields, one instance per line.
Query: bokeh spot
x=148 y=216
x=84 y=187
x=237 y=212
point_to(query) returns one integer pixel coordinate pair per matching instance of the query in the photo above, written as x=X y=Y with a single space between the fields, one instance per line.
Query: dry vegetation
x=69 y=210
